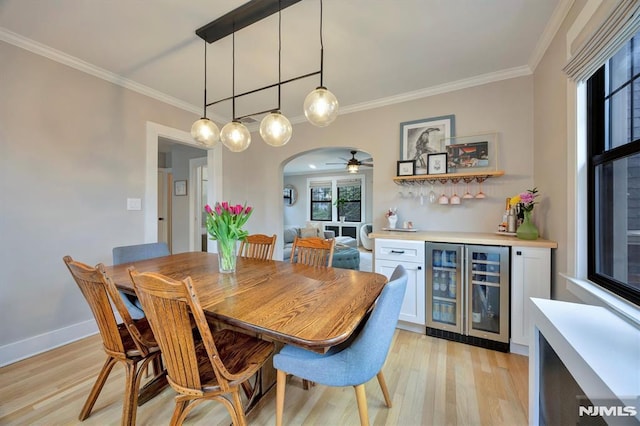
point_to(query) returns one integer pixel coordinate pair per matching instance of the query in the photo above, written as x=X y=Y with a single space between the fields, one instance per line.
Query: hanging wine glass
x=455 y=199
x=433 y=197
x=480 y=194
x=467 y=195
x=443 y=198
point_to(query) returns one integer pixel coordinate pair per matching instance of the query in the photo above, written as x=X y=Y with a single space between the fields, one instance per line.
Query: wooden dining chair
x=353 y=363
x=258 y=246
x=313 y=251
x=130 y=343
x=134 y=253
x=214 y=368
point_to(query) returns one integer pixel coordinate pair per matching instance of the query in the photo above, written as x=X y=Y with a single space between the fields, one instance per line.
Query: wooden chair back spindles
x=131 y=342
x=313 y=251
x=220 y=364
x=258 y=246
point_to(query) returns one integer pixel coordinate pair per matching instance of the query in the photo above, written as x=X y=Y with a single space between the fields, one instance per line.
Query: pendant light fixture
x=275 y=128
x=321 y=106
x=205 y=131
x=235 y=135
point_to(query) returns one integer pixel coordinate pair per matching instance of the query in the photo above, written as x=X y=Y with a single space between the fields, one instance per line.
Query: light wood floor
x=431 y=381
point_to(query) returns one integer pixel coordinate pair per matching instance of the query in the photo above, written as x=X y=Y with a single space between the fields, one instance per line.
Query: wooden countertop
x=483 y=238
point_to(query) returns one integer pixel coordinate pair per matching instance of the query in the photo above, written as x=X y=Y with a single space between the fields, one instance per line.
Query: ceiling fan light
x=321 y=107
x=353 y=168
x=275 y=129
x=235 y=136
x=205 y=132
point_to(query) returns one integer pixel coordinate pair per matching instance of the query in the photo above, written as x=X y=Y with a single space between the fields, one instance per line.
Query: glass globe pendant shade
x=235 y=136
x=205 y=132
x=276 y=129
x=321 y=107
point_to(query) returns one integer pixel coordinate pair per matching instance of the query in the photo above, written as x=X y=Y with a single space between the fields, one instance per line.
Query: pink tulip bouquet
x=224 y=225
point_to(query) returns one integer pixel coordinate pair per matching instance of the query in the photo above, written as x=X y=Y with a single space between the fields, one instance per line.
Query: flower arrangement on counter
x=224 y=225
x=526 y=200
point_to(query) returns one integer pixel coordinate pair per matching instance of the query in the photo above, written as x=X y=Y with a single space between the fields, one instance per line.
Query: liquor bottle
x=476 y=314
x=437 y=258
x=452 y=286
x=511 y=221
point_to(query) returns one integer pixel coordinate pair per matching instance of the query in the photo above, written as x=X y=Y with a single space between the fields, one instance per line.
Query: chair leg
x=130 y=402
x=383 y=386
x=97 y=388
x=361 y=397
x=181 y=404
x=281 y=382
x=237 y=407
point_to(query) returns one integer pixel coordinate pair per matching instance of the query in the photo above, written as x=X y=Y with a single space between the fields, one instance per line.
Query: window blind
x=622 y=22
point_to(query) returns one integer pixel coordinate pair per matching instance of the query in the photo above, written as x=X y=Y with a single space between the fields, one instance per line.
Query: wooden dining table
x=311 y=307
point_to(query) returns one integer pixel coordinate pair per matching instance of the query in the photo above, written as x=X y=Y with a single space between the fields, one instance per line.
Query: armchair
x=365 y=230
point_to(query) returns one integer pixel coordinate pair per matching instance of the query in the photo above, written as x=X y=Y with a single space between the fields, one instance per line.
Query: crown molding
x=440 y=89
x=550 y=31
x=73 y=62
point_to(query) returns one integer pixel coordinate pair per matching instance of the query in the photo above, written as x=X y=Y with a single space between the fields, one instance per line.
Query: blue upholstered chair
x=353 y=363
x=125 y=254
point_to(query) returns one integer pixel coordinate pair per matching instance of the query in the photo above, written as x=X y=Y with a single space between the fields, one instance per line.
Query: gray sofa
x=290 y=233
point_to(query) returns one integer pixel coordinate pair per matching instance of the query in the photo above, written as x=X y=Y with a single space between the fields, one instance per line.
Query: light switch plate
x=134 y=204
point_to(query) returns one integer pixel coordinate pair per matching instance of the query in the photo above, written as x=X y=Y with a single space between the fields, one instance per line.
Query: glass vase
x=527 y=230
x=227 y=253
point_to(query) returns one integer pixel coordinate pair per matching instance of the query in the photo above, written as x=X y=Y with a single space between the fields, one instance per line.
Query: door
x=445 y=286
x=488 y=292
x=200 y=179
x=164 y=206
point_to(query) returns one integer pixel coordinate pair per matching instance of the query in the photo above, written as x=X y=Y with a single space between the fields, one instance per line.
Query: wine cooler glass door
x=488 y=292
x=444 y=287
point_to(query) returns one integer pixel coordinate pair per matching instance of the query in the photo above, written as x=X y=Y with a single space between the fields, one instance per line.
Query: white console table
x=598 y=348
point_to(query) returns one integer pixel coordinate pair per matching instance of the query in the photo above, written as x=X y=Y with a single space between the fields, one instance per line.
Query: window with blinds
x=613 y=153
x=333 y=197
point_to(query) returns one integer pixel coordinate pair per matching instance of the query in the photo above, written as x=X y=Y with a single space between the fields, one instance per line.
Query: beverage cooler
x=468 y=294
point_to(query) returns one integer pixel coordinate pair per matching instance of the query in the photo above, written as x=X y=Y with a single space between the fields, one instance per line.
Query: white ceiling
x=376 y=52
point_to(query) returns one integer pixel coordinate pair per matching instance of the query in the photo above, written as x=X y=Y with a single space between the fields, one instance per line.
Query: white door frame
x=214 y=164
x=195 y=225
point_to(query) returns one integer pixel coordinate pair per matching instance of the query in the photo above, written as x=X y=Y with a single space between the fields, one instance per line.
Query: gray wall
x=72 y=150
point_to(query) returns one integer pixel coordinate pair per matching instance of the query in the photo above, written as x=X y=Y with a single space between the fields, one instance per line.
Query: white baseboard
x=519 y=349
x=35 y=345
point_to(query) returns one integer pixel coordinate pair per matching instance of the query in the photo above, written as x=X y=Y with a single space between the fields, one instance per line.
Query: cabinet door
x=413 y=306
x=530 y=277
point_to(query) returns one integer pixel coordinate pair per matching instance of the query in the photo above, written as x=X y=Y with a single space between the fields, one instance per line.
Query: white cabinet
x=530 y=277
x=410 y=254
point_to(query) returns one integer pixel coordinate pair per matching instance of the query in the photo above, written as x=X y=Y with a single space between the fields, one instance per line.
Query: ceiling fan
x=353 y=164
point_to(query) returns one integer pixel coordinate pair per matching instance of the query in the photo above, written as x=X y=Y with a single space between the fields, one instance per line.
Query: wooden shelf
x=444 y=178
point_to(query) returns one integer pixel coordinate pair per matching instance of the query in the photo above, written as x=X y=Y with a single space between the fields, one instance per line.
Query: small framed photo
x=180 y=187
x=406 y=167
x=437 y=164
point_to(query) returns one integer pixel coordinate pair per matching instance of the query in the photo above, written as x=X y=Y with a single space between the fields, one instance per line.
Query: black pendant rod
x=204 y=114
x=233 y=75
x=279 y=50
x=241 y=17
x=321 y=49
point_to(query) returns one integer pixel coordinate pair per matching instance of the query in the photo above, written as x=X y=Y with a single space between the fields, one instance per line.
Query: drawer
x=399 y=250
